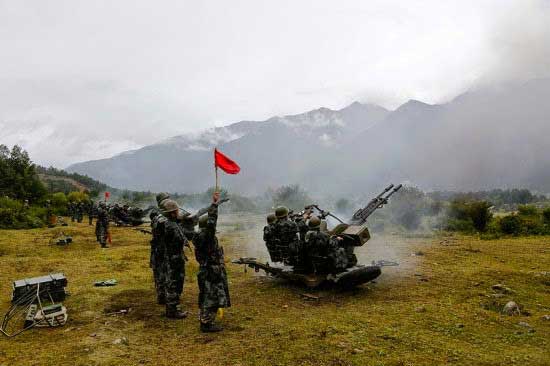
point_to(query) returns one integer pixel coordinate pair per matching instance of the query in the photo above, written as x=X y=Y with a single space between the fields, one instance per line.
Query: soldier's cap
x=161 y=197
x=271 y=218
x=169 y=205
x=314 y=223
x=281 y=212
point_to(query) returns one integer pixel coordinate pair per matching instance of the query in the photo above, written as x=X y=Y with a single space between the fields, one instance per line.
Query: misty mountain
x=491 y=137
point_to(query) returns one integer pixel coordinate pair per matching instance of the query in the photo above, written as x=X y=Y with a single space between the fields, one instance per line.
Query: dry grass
x=436 y=309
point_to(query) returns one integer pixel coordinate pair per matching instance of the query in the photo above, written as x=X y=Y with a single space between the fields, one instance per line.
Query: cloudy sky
x=83 y=80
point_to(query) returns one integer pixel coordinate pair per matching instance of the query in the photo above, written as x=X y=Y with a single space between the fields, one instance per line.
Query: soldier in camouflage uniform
x=102 y=225
x=324 y=254
x=212 y=277
x=79 y=212
x=174 y=241
x=70 y=211
x=269 y=238
x=158 y=249
x=285 y=233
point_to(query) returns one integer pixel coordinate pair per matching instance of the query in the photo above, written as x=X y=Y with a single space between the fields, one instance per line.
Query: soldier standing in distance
x=70 y=209
x=286 y=235
x=102 y=225
x=79 y=211
x=212 y=277
x=174 y=241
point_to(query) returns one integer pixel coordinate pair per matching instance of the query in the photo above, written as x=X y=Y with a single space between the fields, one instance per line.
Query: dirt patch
x=133 y=304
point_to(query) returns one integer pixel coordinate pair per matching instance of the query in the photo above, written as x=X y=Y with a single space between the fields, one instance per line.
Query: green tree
x=18 y=177
x=293 y=197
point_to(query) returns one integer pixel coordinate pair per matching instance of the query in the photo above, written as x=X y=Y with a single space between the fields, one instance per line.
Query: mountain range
x=493 y=137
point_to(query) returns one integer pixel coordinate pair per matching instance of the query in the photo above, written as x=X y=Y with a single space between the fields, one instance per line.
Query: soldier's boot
x=210 y=328
x=173 y=312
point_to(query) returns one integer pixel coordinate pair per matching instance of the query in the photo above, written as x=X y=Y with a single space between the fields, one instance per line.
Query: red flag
x=107 y=195
x=225 y=164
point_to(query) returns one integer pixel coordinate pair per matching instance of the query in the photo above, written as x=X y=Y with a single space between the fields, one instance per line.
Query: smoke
x=519 y=43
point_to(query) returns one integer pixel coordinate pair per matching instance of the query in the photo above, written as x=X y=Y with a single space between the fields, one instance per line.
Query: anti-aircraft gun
x=351 y=235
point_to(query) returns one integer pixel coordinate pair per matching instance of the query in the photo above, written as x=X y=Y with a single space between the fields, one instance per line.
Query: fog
x=84 y=80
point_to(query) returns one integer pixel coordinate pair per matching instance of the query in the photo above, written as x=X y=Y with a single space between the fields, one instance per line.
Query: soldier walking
x=174 y=241
x=102 y=225
x=212 y=277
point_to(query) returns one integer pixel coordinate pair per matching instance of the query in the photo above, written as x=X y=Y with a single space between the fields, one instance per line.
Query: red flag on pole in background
x=107 y=195
x=225 y=164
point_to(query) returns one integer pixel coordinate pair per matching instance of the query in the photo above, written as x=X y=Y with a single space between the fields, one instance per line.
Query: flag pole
x=217 y=184
x=216 y=170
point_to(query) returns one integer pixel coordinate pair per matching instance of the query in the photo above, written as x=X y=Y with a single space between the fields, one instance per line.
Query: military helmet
x=161 y=197
x=314 y=223
x=169 y=205
x=281 y=212
x=271 y=218
x=203 y=220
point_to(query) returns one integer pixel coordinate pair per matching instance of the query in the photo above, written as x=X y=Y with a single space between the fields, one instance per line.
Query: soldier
x=324 y=253
x=157 y=255
x=50 y=218
x=70 y=210
x=79 y=212
x=102 y=225
x=174 y=241
x=161 y=197
x=212 y=277
x=269 y=238
x=285 y=233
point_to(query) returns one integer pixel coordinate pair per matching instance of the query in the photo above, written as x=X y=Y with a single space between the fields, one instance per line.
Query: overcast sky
x=88 y=79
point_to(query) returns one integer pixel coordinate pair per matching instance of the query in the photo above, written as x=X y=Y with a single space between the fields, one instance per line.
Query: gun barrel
x=363 y=213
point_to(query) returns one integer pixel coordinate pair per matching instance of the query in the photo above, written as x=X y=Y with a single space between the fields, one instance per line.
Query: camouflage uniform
x=91 y=210
x=70 y=210
x=212 y=277
x=324 y=255
x=158 y=252
x=79 y=212
x=269 y=239
x=286 y=240
x=174 y=241
x=102 y=226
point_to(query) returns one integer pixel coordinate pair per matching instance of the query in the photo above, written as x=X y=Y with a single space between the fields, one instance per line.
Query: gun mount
x=333 y=262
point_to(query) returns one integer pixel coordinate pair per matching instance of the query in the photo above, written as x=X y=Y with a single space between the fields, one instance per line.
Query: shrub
x=477 y=213
x=293 y=197
x=527 y=210
x=13 y=215
x=510 y=224
x=546 y=216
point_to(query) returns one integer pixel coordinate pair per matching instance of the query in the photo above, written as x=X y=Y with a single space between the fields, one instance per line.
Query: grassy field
x=437 y=308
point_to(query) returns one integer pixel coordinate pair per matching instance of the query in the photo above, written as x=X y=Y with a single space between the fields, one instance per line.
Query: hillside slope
x=492 y=137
